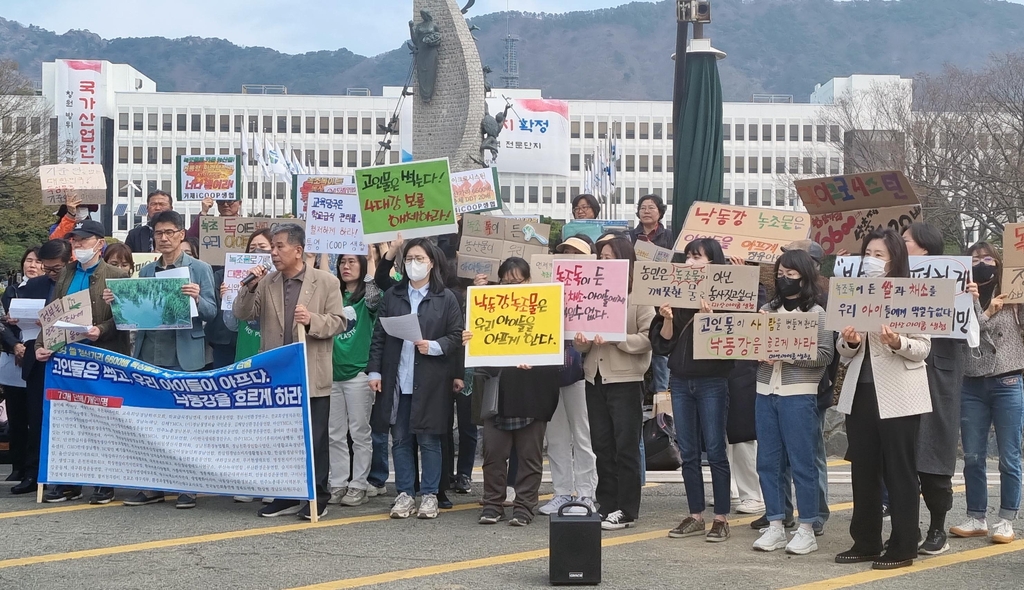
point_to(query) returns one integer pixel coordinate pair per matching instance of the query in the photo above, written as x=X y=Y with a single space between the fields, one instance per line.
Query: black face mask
x=787 y=287
x=983 y=273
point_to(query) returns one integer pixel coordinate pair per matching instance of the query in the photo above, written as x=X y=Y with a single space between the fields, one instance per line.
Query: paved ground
x=221 y=544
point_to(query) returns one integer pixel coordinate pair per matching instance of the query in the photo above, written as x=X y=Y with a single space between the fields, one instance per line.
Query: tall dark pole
x=678 y=99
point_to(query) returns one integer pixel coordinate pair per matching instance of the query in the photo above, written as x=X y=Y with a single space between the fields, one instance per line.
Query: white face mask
x=872 y=267
x=417 y=270
x=84 y=255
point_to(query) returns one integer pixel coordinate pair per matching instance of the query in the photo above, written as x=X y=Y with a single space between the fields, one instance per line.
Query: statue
x=426 y=38
x=490 y=128
x=468 y=5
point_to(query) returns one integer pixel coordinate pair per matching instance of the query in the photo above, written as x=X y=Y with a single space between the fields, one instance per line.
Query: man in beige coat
x=299 y=294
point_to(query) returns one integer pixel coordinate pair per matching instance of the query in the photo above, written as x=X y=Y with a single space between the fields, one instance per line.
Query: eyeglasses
x=420 y=259
x=652 y=209
x=581 y=208
x=165 y=233
x=53 y=269
x=512 y=282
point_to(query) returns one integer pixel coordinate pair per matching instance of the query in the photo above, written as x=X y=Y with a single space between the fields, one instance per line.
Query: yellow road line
x=56 y=510
x=837 y=463
x=920 y=565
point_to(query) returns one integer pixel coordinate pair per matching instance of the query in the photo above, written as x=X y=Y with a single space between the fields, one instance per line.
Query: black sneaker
x=762 y=523
x=280 y=508
x=520 y=519
x=443 y=502
x=185 y=501
x=321 y=510
x=462 y=484
x=935 y=543
x=102 y=496
x=142 y=498
x=491 y=516
x=63 y=494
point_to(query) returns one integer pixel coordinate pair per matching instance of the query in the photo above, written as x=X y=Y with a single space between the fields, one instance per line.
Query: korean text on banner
x=725 y=287
x=596 y=297
x=954 y=268
x=907 y=306
x=220 y=235
x=476 y=190
x=81 y=90
x=535 y=136
x=236 y=267
x=73 y=309
x=756 y=337
x=304 y=184
x=414 y=199
x=755 y=235
x=334 y=225
x=213 y=177
x=240 y=430
x=514 y=325
x=846 y=208
x=84 y=180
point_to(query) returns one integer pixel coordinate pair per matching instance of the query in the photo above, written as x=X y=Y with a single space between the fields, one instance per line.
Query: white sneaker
x=373 y=491
x=510 y=496
x=336 y=495
x=354 y=497
x=403 y=507
x=750 y=507
x=428 y=506
x=803 y=542
x=772 y=538
x=553 y=505
x=972 y=527
x=243 y=499
x=616 y=521
x=267 y=500
x=578 y=511
x=1002 y=532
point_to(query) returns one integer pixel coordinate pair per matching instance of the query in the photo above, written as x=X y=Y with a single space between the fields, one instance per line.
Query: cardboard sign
x=483 y=247
x=334 y=224
x=213 y=177
x=514 y=325
x=520 y=250
x=236 y=267
x=467 y=267
x=304 y=184
x=526 y=232
x=754 y=235
x=220 y=235
x=756 y=337
x=142 y=259
x=476 y=190
x=1013 y=244
x=649 y=251
x=499 y=238
x=596 y=297
x=483 y=226
x=846 y=208
x=542 y=265
x=907 y=306
x=74 y=309
x=414 y=199
x=724 y=286
x=955 y=268
x=85 y=180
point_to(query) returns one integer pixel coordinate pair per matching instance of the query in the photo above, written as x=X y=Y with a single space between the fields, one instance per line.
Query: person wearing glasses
x=650 y=211
x=585 y=206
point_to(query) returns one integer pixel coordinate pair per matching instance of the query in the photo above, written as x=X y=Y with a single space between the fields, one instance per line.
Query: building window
x=122 y=123
x=752 y=132
x=151 y=155
x=833 y=165
x=819 y=165
x=727 y=131
x=533 y=194
x=794 y=133
x=737 y=197
x=669 y=164
x=179 y=151
x=834 y=133
x=588 y=129
x=546 y=195
x=574 y=162
x=559 y=196
x=165 y=156
x=807 y=165
x=394 y=156
x=211 y=151
x=752 y=165
x=211 y=123
x=766 y=132
x=325 y=125
x=630 y=194
x=794 y=165
x=644 y=131
x=310 y=124
x=656 y=165
x=367 y=158
x=151 y=122
x=739 y=164
x=752 y=197
x=602 y=129
x=225 y=123
x=766 y=197
x=197 y=123
x=520 y=194
x=136 y=155
x=268 y=124
x=574 y=129
x=807 y=132
x=352 y=161
x=780 y=133
x=630 y=130
x=339 y=125
x=367 y=126
x=780 y=197
x=282 y=124
x=766 y=165
x=739 y=132
x=122 y=154
x=780 y=165
x=353 y=125
x=325 y=158
x=630 y=163
x=224 y=151
x=182 y=122
x=643 y=163
x=339 y=158
x=505 y=194
x=296 y=124
x=820 y=133
x=167 y=122
x=727 y=164
x=657 y=130
x=238 y=123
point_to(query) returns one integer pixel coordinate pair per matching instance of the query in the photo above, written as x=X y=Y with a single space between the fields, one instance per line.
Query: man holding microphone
x=299 y=294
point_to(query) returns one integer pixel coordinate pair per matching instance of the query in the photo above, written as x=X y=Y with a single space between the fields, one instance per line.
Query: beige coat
x=321 y=294
x=622 y=362
x=901 y=380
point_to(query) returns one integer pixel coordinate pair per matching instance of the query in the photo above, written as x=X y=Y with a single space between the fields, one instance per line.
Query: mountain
x=774 y=46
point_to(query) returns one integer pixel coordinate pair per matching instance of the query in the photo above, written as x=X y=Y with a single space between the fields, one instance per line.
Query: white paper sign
x=403 y=327
x=85 y=180
x=236 y=268
x=26 y=309
x=334 y=224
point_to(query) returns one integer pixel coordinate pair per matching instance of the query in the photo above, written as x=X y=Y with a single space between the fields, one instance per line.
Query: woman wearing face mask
x=413 y=380
x=884 y=394
x=787 y=413
x=248 y=343
x=700 y=404
x=991 y=396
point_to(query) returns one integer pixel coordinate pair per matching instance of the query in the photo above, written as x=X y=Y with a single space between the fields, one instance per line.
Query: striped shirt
x=797 y=377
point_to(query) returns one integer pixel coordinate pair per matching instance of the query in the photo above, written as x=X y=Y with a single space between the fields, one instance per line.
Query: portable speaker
x=575 y=546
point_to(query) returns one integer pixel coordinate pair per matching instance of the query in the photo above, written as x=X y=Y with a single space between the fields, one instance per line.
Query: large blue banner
x=111 y=420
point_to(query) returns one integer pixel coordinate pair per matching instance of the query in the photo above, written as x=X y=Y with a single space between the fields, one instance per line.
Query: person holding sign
x=412 y=379
x=787 y=412
x=650 y=210
x=248 y=342
x=615 y=393
x=224 y=208
x=991 y=396
x=700 y=404
x=884 y=394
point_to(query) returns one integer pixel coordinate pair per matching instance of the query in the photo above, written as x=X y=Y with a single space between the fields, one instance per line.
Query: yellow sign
x=515 y=325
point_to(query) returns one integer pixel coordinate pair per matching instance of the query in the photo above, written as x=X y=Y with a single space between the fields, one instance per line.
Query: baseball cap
x=87 y=229
x=809 y=246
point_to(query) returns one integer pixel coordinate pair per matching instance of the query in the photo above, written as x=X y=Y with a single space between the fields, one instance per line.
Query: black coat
x=741 y=425
x=37 y=288
x=441 y=320
x=140 y=239
x=679 y=349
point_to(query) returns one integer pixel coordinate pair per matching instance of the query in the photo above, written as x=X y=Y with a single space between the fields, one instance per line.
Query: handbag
x=660 y=448
x=489 y=403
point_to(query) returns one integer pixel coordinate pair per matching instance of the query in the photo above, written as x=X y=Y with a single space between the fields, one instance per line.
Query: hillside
x=777 y=46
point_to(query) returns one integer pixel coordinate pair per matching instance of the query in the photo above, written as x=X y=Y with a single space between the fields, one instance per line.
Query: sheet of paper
x=26 y=309
x=71 y=327
x=30 y=333
x=405 y=327
x=180 y=273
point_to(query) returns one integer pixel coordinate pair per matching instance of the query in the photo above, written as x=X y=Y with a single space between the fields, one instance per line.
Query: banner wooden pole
x=39 y=493
x=314 y=512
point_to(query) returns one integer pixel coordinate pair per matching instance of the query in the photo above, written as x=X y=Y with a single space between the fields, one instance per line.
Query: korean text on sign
x=515 y=324
x=208 y=177
x=907 y=306
x=756 y=337
x=755 y=235
x=596 y=297
x=414 y=199
x=334 y=225
x=724 y=286
x=236 y=267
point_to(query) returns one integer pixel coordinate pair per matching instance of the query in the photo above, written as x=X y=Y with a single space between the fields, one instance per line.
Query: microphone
x=252 y=276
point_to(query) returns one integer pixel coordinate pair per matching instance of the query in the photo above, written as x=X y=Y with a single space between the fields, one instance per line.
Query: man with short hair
x=88 y=273
x=224 y=209
x=299 y=294
x=140 y=239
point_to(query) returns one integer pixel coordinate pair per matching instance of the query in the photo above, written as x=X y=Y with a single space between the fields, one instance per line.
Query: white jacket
x=901 y=381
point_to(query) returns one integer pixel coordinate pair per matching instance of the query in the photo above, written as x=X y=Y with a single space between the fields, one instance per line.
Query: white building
x=764 y=142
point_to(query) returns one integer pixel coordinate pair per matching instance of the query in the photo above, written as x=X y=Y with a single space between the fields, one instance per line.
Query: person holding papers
x=176 y=350
x=413 y=379
x=299 y=294
x=90 y=273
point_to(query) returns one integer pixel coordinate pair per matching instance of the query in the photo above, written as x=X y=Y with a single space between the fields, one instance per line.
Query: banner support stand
x=39 y=493
x=314 y=512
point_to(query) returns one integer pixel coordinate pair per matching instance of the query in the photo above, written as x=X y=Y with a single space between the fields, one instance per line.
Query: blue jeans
x=404 y=453
x=786 y=428
x=659 y=373
x=701 y=405
x=379 y=461
x=987 y=401
x=821 y=464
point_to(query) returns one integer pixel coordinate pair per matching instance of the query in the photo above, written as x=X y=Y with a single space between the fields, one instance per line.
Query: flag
x=275 y=160
x=295 y=165
x=616 y=157
x=261 y=158
x=588 y=180
x=243 y=159
x=289 y=161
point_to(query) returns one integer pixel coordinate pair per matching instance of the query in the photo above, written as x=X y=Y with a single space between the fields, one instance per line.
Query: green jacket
x=102 y=317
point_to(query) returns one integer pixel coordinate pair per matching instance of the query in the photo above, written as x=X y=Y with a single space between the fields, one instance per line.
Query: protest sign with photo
x=846 y=208
x=756 y=337
x=596 y=297
x=725 y=287
x=334 y=225
x=649 y=251
x=514 y=325
x=150 y=304
x=476 y=190
x=305 y=184
x=209 y=177
x=907 y=306
x=752 y=234
x=414 y=199
x=66 y=320
x=87 y=181
x=236 y=267
x=220 y=235
x=211 y=432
